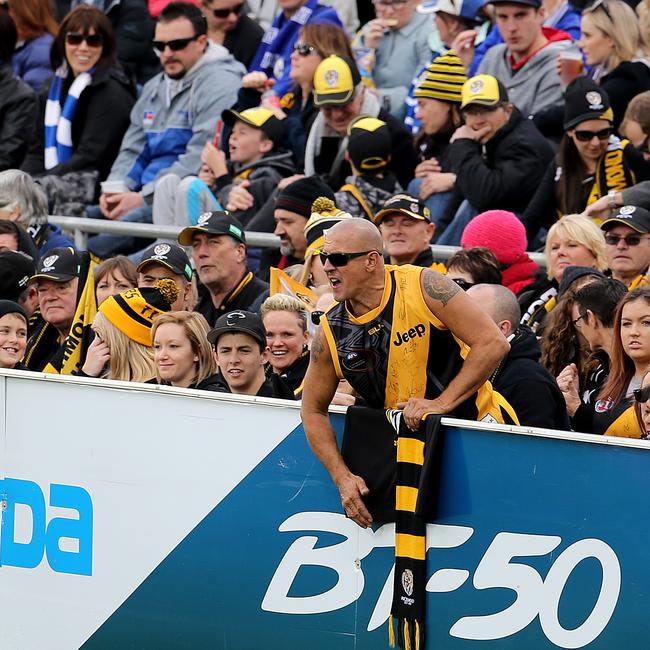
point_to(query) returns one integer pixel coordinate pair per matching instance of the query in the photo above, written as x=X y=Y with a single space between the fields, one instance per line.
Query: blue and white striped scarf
x=58 y=122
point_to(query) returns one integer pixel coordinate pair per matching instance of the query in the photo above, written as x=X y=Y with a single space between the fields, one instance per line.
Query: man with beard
x=292 y=210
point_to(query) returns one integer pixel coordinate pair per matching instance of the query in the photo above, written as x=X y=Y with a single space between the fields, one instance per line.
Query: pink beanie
x=499 y=231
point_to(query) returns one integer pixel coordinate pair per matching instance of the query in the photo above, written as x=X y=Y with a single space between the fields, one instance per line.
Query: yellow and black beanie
x=133 y=311
x=443 y=79
x=369 y=143
x=324 y=215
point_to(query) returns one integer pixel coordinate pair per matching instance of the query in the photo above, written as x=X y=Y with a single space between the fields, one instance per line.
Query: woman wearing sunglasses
x=615 y=414
x=88 y=93
x=613 y=49
x=592 y=161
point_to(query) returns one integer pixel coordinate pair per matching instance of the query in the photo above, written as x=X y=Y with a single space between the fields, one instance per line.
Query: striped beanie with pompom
x=443 y=79
x=133 y=311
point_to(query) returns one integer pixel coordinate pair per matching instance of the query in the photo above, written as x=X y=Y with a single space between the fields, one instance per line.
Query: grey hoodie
x=173 y=119
x=536 y=85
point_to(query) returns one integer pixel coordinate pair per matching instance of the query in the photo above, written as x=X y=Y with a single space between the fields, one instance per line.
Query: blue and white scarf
x=58 y=122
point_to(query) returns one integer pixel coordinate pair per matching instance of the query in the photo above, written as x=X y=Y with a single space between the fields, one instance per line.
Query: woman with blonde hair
x=122 y=346
x=285 y=320
x=182 y=352
x=573 y=241
x=613 y=48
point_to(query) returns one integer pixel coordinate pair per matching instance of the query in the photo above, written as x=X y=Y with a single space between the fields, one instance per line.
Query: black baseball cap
x=528 y=3
x=404 y=204
x=59 y=265
x=16 y=269
x=629 y=215
x=369 y=143
x=214 y=223
x=245 y=322
x=170 y=256
x=259 y=118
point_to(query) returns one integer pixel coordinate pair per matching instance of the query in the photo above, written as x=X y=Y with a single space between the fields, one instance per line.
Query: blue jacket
x=273 y=56
x=31 y=61
x=167 y=135
x=568 y=21
x=55 y=239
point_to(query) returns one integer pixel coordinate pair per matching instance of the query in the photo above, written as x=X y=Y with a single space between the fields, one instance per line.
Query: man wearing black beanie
x=292 y=210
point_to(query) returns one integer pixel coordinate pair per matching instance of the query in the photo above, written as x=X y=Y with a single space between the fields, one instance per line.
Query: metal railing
x=81 y=228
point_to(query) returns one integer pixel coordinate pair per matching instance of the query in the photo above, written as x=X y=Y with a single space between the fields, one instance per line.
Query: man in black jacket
x=520 y=378
x=498 y=156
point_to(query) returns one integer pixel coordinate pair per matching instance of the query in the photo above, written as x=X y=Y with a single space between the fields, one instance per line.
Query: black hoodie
x=528 y=386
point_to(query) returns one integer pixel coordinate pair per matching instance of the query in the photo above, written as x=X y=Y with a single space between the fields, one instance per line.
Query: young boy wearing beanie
x=371 y=182
x=255 y=167
x=438 y=97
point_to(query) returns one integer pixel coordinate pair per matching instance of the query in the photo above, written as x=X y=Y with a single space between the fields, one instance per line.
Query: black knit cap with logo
x=585 y=100
x=15 y=271
x=299 y=196
x=171 y=256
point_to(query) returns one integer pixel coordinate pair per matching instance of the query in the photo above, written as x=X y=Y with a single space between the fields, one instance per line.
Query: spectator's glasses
x=303 y=49
x=341 y=259
x=77 y=38
x=630 y=240
x=575 y=321
x=224 y=13
x=641 y=394
x=176 y=45
x=463 y=284
x=602 y=4
x=588 y=136
x=315 y=316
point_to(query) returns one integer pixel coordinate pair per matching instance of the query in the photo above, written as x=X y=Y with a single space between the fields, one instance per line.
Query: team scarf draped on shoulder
x=58 y=120
x=612 y=172
x=71 y=354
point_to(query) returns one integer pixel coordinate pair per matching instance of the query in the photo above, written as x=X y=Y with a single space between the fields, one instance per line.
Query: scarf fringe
x=410 y=635
x=391 y=631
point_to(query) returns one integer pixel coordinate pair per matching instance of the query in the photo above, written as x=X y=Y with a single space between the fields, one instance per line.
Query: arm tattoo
x=317 y=347
x=439 y=287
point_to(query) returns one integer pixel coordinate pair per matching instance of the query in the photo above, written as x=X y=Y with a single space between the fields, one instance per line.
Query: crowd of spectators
x=501 y=128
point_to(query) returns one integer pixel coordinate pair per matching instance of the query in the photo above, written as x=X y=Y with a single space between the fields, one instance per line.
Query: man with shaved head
x=394 y=336
x=520 y=378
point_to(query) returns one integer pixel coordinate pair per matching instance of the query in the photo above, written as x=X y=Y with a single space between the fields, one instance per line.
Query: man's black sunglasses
x=175 y=46
x=641 y=394
x=341 y=259
x=630 y=240
x=587 y=136
x=224 y=13
x=463 y=284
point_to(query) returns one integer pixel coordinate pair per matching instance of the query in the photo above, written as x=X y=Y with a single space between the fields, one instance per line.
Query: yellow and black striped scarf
x=71 y=354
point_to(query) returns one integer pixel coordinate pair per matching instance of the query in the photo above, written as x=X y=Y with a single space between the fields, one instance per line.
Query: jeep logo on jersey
x=403 y=337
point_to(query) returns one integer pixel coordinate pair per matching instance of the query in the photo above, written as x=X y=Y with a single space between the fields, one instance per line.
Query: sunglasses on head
x=340 y=259
x=77 y=38
x=587 y=136
x=224 y=13
x=303 y=49
x=630 y=240
x=641 y=394
x=463 y=284
x=599 y=4
x=175 y=46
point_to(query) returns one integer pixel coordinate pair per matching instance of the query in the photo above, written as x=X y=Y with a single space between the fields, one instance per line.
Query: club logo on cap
x=162 y=249
x=415 y=208
x=331 y=77
x=627 y=209
x=407 y=581
x=48 y=262
x=476 y=86
x=23 y=281
x=236 y=315
x=203 y=219
x=594 y=100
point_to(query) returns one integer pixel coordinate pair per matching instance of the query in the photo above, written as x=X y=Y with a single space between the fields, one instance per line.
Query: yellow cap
x=335 y=80
x=484 y=90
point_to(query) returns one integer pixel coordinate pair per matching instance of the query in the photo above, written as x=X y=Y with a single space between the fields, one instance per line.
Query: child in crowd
x=371 y=183
x=256 y=164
